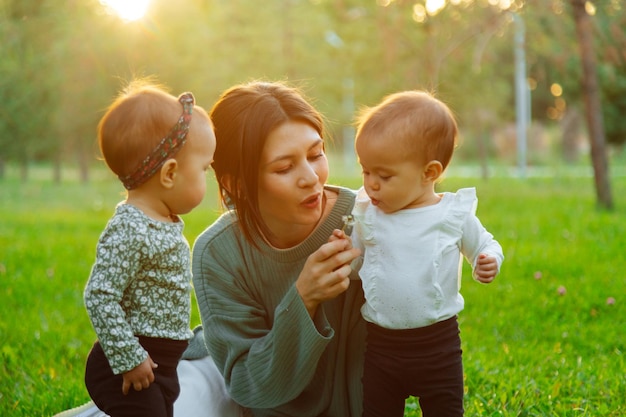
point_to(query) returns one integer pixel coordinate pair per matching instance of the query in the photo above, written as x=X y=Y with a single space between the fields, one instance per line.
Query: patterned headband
x=166 y=149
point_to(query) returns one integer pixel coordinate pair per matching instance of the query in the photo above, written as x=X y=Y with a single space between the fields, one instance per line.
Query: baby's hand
x=140 y=377
x=486 y=268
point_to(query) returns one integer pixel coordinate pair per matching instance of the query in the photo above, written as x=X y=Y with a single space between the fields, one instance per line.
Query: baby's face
x=194 y=163
x=392 y=180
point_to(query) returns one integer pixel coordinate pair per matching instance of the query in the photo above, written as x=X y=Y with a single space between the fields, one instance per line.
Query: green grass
x=528 y=350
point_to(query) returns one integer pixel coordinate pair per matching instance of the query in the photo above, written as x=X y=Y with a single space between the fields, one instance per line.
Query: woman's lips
x=312 y=202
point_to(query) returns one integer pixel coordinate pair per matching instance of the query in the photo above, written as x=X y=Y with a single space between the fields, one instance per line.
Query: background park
x=539 y=90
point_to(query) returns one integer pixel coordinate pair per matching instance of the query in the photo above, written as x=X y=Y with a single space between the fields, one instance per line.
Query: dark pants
x=105 y=388
x=424 y=362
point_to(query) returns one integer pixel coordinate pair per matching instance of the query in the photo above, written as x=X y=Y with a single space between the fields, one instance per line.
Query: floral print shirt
x=140 y=285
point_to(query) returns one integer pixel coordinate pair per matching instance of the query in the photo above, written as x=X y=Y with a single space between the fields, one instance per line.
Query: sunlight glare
x=435 y=6
x=556 y=90
x=505 y=4
x=590 y=8
x=419 y=13
x=127 y=9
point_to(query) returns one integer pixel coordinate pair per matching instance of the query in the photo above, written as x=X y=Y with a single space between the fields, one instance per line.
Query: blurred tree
x=552 y=39
x=26 y=92
x=593 y=107
x=87 y=55
x=463 y=51
x=610 y=21
x=70 y=57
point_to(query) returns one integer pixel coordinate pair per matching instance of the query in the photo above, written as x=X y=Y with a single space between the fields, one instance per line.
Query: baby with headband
x=138 y=293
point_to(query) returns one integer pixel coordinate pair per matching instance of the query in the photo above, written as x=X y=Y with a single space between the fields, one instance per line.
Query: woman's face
x=292 y=172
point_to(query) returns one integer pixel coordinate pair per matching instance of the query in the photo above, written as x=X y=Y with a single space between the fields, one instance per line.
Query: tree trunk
x=24 y=169
x=56 y=168
x=593 y=107
x=83 y=165
x=482 y=153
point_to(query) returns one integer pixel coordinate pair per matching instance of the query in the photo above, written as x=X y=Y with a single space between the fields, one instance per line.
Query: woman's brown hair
x=243 y=118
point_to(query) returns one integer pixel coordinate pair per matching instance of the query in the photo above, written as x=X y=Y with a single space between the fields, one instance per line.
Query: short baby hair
x=134 y=124
x=415 y=120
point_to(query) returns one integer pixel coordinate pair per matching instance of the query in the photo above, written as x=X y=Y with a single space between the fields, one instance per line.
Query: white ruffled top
x=411 y=270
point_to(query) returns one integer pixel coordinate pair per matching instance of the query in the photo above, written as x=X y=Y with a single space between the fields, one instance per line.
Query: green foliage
x=553 y=58
x=62 y=63
x=614 y=91
x=545 y=339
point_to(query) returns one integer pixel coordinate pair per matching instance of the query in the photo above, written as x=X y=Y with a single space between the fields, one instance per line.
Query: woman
x=280 y=313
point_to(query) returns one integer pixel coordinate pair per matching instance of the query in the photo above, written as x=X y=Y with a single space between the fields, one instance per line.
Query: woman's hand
x=339 y=234
x=326 y=272
x=140 y=377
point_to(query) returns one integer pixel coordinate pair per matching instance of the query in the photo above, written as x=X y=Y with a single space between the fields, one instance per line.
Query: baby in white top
x=413 y=240
x=411 y=271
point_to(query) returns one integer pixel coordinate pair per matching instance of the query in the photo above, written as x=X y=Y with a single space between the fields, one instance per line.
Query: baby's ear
x=432 y=171
x=167 y=173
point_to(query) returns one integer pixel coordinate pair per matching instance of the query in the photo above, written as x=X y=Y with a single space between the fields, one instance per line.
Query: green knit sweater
x=274 y=358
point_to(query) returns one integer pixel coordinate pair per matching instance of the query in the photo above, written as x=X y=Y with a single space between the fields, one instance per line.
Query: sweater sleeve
x=117 y=261
x=267 y=359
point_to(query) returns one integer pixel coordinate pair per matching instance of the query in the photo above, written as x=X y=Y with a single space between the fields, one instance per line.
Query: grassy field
x=547 y=338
